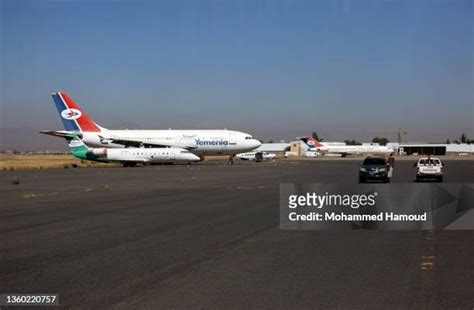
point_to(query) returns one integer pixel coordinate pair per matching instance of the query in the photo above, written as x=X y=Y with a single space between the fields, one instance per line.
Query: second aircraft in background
x=344 y=150
x=129 y=156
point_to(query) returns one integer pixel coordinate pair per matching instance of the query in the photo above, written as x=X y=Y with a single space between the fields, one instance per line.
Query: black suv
x=374 y=168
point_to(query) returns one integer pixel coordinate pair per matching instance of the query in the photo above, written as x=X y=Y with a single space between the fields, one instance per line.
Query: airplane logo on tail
x=73 y=117
x=311 y=142
x=71 y=114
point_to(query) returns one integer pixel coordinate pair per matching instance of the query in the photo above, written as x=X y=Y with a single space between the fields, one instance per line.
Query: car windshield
x=375 y=161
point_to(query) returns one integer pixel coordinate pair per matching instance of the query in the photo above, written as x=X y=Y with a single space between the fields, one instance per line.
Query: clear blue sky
x=276 y=69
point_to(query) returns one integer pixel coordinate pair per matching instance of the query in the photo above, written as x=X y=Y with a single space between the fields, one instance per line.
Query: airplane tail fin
x=73 y=117
x=78 y=148
x=311 y=142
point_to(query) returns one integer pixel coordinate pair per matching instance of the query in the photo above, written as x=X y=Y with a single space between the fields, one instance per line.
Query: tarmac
x=207 y=236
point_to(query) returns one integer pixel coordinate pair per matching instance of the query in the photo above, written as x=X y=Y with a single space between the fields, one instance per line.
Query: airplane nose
x=193 y=157
x=256 y=143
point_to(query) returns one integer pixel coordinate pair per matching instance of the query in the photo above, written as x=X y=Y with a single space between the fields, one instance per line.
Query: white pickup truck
x=429 y=168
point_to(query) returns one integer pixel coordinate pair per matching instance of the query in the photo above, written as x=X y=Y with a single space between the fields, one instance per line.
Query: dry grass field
x=17 y=161
x=13 y=162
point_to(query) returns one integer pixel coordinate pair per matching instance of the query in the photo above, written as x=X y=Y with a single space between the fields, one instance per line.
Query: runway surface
x=208 y=237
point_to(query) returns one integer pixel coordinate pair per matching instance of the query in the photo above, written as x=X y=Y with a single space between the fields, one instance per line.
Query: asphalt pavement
x=207 y=236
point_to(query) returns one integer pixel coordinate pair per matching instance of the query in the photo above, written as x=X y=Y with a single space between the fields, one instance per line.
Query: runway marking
x=29 y=195
x=428 y=261
x=245 y=187
x=34 y=195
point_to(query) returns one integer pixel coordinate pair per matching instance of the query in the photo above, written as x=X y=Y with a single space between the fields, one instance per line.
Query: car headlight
x=382 y=169
x=363 y=170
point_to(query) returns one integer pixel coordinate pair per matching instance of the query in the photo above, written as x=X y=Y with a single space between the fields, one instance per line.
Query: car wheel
x=440 y=179
x=387 y=180
x=362 y=180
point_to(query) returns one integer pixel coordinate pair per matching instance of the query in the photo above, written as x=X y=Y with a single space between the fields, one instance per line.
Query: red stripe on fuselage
x=84 y=122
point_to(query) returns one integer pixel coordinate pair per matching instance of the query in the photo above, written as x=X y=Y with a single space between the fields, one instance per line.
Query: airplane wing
x=136 y=143
x=126 y=143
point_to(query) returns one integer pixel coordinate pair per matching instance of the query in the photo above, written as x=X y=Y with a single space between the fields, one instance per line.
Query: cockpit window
x=248 y=138
x=184 y=152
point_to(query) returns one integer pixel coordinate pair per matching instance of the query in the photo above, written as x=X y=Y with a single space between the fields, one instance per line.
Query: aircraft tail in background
x=72 y=115
x=311 y=142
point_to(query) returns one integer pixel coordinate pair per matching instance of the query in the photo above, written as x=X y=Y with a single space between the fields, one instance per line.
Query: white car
x=291 y=154
x=429 y=168
x=311 y=154
x=257 y=156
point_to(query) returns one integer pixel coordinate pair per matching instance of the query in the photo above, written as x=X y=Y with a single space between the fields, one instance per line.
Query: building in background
x=440 y=149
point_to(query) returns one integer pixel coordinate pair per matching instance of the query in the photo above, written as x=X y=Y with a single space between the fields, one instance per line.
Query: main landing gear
x=231 y=160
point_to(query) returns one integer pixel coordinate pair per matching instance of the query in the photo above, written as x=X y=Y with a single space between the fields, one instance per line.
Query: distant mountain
x=29 y=139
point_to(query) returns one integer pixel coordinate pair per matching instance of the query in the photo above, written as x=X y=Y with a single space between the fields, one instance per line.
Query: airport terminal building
x=439 y=149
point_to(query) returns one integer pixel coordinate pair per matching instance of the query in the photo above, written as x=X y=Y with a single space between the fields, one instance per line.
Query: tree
x=270 y=141
x=352 y=142
x=448 y=142
x=316 y=137
x=464 y=139
x=380 y=140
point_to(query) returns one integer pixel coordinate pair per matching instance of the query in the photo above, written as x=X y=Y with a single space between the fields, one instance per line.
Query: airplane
x=199 y=142
x=257 y=156
x=344 y=150
x=129 y=156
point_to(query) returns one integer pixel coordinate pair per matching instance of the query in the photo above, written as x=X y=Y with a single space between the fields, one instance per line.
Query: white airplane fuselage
x=144 y=155
x=353 y=149
x=199 y=142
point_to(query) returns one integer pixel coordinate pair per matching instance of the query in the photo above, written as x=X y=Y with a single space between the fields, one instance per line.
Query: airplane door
x=232 y=141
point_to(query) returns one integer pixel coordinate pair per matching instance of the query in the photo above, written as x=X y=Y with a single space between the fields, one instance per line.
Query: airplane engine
x=99 y=152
